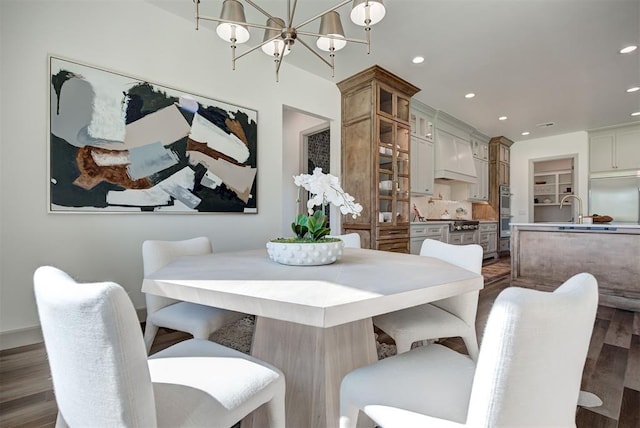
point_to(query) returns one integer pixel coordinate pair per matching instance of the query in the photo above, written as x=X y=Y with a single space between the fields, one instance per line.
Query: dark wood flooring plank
x=630 y=410
x=607 y=380
x=632 y=377
x=37 y=414
x=605 y=312
x=595 y=347
x=619 y=333
x=585 y=418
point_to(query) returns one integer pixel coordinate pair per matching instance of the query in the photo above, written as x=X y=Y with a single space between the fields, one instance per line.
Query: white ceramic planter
x=305 y=254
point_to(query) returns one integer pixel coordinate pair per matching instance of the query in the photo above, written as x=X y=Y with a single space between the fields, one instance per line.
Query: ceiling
x=534 y=61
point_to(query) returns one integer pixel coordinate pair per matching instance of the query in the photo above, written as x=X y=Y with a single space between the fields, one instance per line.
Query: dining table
x=312 y=322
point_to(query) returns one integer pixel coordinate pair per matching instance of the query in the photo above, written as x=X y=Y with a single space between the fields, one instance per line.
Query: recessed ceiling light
x=418 y=60
x=635 y=113
x=470 y=95
x=526 y=133
x=628 y=49
x=502 y=118
x=634 y=89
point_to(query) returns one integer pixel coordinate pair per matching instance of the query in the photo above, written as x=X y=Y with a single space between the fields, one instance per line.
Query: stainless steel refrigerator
x=617 y=196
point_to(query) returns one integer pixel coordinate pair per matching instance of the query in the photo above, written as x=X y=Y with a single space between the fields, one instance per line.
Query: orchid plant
x=325 y=189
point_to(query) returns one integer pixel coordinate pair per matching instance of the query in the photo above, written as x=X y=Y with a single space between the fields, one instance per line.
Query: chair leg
x=276 y=411
x=150 y=331
x=471 y=342
x=348 y=415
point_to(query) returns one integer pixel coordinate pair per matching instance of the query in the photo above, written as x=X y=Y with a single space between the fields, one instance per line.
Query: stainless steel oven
x=505 y=211
x=505 y=201
x=505 y=229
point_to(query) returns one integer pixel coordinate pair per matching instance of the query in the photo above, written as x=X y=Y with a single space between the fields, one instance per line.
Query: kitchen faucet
x=579 y=207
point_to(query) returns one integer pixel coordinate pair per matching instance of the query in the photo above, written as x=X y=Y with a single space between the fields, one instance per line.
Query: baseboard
x=31 y=335
x=20 y=337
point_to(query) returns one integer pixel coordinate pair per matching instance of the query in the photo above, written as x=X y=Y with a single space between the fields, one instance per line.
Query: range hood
x=454 y=159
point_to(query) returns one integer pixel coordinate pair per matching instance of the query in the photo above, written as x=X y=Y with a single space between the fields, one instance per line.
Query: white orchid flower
x=325 y=188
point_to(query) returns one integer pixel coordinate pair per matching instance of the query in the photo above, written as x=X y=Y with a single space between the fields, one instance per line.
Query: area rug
x=497 y=270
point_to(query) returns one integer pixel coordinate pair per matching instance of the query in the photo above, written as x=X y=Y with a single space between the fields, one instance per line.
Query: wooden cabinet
x=376 y=151
x=499 y=158
x=489 y=239
x=479 y=191
x=614 y=149
x=499 y=148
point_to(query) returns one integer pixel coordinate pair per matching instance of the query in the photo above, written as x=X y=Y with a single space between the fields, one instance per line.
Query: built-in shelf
x=552 y=181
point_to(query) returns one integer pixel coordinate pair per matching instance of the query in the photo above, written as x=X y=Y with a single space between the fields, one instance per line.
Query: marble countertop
x=594 y=226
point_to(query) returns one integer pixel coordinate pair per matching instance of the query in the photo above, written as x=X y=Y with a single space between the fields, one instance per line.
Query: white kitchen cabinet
x=422 y=231
x=489 y=239
x=421 y=166
x=614 y=149
x=421 y=124
x=480 y=191
x=479 y=148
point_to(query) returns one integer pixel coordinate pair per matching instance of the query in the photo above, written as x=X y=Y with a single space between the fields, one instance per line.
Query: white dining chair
x=528 y=372
x=102 y=377
x=198 y=320
x=351 y=240
x=451 y=317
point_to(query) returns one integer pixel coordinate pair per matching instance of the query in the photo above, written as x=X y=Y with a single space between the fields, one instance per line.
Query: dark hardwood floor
x=612 y=371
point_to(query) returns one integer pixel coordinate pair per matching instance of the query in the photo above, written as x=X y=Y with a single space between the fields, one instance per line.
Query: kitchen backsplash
x=432 y=208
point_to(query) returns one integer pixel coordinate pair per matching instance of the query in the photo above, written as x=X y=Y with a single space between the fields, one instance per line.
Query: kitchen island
x=544 y=255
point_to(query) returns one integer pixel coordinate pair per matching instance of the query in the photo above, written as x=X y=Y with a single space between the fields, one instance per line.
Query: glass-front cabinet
x=393 y=104
x=393 y=172
x=376 y=168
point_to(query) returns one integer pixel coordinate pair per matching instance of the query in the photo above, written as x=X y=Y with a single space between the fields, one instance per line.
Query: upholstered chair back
x=351 y=240
x=530 y=344
x=157 y=254
x=468 y=257
x=89 y=325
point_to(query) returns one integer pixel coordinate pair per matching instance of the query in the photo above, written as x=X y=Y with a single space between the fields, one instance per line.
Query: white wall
x=142 y=40
x=565 y=145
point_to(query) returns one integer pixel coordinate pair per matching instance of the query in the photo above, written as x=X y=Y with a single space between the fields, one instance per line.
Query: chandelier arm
x=257 y=47
x=313 y=18
x=197 y=3
x=259 y=9
x=291 y=12
x=330 y=36
x=314 y=52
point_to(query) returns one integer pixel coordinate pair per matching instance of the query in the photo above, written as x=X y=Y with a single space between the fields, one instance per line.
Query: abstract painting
x=122 y=144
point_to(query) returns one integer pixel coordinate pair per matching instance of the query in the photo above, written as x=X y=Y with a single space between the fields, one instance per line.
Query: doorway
x=552 y=180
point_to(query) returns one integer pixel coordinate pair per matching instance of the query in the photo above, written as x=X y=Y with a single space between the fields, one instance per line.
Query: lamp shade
x=232 y=10
x=363 y=10
x=330 y=25
x=277 y=43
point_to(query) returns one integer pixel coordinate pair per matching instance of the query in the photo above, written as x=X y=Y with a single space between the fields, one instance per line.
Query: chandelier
x=280 y=35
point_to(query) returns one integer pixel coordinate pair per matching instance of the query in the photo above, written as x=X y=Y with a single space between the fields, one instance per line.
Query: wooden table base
x=314 y=361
